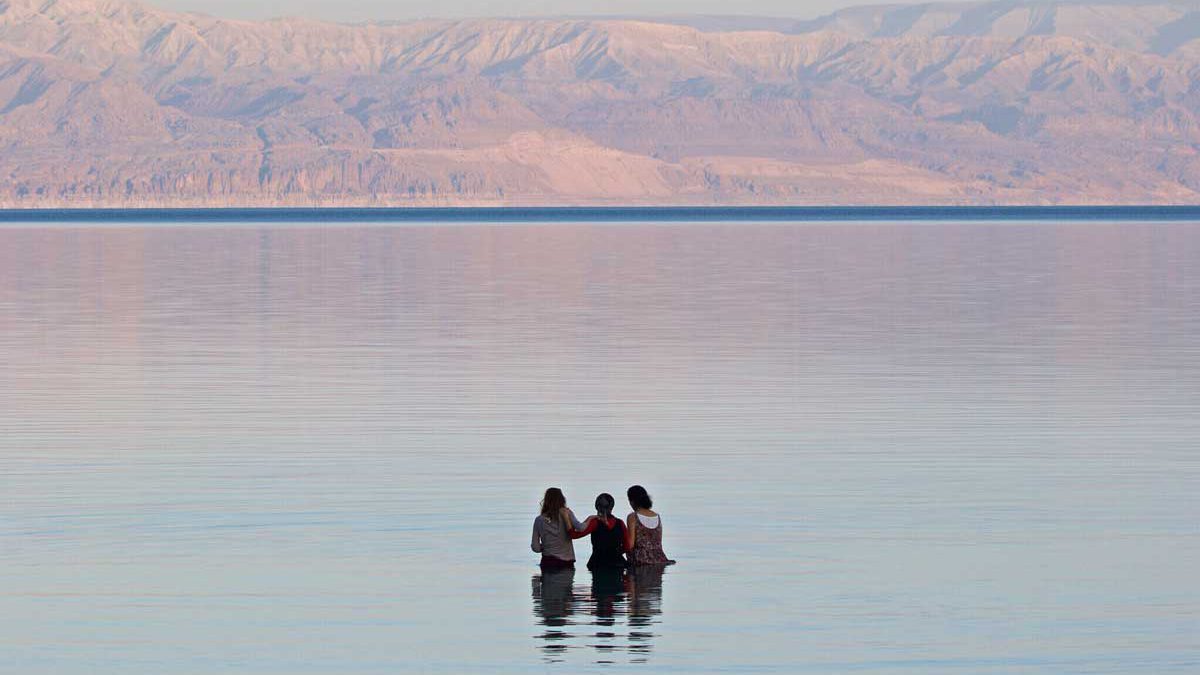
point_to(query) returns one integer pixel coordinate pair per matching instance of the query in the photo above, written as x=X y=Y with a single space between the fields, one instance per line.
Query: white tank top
x=649 y=522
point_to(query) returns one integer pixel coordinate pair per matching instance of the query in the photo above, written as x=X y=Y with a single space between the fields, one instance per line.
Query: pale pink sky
x=360 y=10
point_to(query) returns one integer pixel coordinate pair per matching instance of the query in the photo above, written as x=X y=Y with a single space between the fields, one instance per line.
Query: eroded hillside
x=106 y=102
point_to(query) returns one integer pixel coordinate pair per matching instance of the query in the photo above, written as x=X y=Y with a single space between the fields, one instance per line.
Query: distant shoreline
x=606 y=214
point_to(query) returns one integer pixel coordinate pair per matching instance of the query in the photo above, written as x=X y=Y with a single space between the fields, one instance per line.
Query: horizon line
x=485 y=214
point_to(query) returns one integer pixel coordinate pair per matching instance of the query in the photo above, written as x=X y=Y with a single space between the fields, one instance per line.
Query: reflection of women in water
x=645 y=587
x=608 y=536
x=554 y=604
x=644 y=537
x=608 y=589
x=626 y=606
x=552 y=531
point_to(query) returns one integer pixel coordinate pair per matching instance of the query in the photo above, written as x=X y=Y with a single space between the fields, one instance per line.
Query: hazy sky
x=358 y=10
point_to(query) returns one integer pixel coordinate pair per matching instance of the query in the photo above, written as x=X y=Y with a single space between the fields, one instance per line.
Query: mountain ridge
x=114 y=103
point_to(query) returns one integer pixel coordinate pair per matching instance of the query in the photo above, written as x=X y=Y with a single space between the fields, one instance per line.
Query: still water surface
x=894 y=448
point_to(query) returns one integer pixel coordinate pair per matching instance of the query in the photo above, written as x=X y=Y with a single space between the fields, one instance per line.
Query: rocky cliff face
x=107 y=102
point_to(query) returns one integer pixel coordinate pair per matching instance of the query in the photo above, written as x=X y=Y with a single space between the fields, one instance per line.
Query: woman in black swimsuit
x=608 y=536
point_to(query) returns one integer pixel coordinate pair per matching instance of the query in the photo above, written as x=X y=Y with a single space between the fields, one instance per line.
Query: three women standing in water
x=640 y=537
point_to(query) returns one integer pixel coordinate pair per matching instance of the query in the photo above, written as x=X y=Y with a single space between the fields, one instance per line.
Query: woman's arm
x=630 y=532
x=570 y=519
x=536 y=544
x=589 y=526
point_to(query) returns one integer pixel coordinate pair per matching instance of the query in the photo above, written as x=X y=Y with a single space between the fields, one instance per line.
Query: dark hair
x=553 y=502
x=605 y=504
x=639 y=498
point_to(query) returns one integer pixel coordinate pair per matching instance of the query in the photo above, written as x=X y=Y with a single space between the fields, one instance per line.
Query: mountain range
x=114 y=103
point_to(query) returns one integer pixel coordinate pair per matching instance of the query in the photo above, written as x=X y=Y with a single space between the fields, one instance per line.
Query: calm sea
x=877 y=447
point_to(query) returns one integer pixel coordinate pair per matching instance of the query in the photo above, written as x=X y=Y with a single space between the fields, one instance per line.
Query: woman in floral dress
x=644 y=530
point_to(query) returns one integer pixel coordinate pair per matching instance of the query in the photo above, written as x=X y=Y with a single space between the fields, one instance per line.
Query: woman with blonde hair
x=553 y=531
